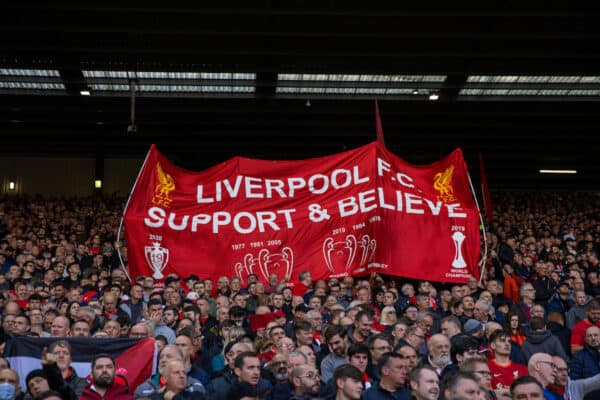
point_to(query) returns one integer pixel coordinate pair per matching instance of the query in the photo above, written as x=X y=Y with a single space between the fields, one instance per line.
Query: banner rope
x=125 y=269
x=483 y=257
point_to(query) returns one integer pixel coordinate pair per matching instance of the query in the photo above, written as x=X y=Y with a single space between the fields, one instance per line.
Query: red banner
x=352 y=213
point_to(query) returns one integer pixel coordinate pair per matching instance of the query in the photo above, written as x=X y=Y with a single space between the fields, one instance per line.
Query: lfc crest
x=166 y=184
x=442 y=182
x=157 y=258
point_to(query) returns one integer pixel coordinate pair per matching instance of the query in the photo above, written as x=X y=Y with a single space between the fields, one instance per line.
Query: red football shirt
x=578 y=332
x=504 y=375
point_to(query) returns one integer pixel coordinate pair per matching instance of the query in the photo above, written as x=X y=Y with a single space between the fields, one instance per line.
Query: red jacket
x=115 y=392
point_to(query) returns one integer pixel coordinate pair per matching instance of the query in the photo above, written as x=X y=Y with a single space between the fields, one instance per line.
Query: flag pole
x=378 y=125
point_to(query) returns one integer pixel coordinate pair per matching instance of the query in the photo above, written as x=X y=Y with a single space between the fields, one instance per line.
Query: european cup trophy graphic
x=157 y=258
x=458 y=238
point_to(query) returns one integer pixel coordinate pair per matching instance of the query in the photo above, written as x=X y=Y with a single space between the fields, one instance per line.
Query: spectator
x=540 y=340
x=424 y=383
x=504 y=371
x=450 y=326
x=337 y=339
x=379 y=345
x=577 y=312
x=305 y=382
x=542 y=368
x=392 y=368
x=363 y=322
x=176 y=384
x=61 y=350
x=247 y=369
x=9 y=384
x=103 y=386
x=61 y=327
x=526 y=387
x=480 y=370
x=586 y=362
x=438 y=356
x=462 y=385
x=592 y=310
x=348 y=382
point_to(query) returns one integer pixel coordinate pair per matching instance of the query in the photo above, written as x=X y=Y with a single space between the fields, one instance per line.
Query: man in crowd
x=438 y=355
x=61 y=350
x=379 y=345
x=363 y=322
x=586 y=362
x=424 y=383
x=348 y=382
x=463 y=385
x=392 y=385
x=542 y=368
x=337 y=339
x=504 y=371
x=526 y=388
x=176 y=384
x=592 y=312
x=103 y=385
x=247 y=369
x=305 y=382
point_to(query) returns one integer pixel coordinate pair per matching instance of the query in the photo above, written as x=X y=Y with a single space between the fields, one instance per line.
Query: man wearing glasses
x=306 y=382
x=479 y=368
x=542 y=368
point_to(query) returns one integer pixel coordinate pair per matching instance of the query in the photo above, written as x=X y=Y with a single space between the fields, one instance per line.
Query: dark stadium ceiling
x=297 y=79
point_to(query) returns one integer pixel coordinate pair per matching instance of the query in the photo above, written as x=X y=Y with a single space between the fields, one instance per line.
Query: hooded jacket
x=114 y=392
x=542 y=342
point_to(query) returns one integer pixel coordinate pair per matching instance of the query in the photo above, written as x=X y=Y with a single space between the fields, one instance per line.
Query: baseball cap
x=472 y=326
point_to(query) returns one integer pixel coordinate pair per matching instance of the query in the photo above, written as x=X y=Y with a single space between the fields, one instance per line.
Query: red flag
x=378 y=126
x=487 y=198
x=138 y=361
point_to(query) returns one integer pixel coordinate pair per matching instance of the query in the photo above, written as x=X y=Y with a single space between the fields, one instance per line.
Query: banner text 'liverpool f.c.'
x=352 y=213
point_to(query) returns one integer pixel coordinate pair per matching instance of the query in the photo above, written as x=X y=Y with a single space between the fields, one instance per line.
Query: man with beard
x=348 y=382
x=103 y=386
x=306 y=382
x=336 y=338
x=424 y=383
x=438 y=355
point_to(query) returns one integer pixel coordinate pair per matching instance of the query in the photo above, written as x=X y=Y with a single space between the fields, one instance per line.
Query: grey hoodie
x=542 y=342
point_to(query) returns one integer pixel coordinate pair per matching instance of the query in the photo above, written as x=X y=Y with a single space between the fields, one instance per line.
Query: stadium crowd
x=528 y=329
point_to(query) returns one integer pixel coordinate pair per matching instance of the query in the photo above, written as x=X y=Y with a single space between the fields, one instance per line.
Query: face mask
x=7 y=391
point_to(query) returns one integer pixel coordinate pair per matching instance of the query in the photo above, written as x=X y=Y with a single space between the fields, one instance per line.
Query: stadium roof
x=297 y=79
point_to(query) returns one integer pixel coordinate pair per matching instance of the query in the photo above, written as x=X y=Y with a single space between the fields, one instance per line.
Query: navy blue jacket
x=376 y=392
x=585 y=363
